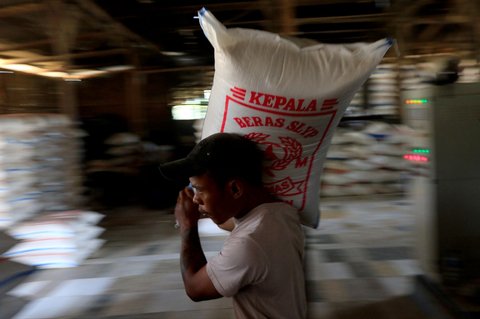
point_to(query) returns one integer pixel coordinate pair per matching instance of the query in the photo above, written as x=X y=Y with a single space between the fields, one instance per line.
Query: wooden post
x=62 y=26
x=3 y=94
x=280 y=15
x=133 y=92
x=287 y=17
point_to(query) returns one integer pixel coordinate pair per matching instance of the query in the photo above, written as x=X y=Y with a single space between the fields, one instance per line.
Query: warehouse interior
x=95 y=94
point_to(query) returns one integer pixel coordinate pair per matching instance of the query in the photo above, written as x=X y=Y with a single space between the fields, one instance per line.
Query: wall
x=23 y=93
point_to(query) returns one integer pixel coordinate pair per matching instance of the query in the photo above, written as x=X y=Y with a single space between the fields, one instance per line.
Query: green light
x=421 y=151
x=416 y=101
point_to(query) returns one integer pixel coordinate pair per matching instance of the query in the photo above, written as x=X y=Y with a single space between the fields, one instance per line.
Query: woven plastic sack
x=288 y=95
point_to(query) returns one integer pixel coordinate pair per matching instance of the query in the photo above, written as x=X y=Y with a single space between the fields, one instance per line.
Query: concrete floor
x=360 y=263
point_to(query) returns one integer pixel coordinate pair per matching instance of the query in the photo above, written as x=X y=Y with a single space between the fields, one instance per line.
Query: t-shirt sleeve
x=241 y=262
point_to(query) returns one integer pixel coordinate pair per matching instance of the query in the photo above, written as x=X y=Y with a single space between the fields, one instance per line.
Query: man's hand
x=186 y=211
x=192 y=259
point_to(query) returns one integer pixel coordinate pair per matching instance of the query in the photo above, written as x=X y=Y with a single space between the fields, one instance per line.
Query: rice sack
x=288 y=95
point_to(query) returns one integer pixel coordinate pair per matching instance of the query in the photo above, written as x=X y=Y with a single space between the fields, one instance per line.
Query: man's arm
x=198 y=285
x=193 y=264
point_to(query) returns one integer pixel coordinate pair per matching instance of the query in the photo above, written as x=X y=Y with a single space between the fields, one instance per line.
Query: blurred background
x=94 y=95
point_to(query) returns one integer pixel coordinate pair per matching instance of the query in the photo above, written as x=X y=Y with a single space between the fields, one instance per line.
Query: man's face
x=213 y=200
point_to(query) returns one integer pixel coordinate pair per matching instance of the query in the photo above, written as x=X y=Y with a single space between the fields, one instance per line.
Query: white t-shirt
x=261 y=264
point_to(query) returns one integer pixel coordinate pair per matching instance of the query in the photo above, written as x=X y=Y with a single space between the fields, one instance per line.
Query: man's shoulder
x=269 y=215
x=278 y=205
x=277 y=208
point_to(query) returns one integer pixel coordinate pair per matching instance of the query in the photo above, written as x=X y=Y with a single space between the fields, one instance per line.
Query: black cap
x=225 y=153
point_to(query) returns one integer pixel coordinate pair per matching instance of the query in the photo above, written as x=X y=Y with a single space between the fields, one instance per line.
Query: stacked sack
x=11 y=272
x=469 y=71
x=41 y=183
x=19 y=169
x=60 y=180
x=357 y=105
x=365 y=158
x=379 y=96
x=56 y=239
x=11 y=275
x=39 y=166
x=123 y=151
x=410 y=78
x=383 y=94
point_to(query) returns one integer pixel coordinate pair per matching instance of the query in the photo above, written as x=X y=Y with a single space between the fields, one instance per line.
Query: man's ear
x=236 y=188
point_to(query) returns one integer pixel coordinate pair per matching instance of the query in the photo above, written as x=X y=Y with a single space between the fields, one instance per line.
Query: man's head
x=223 y=156
x=225 y=171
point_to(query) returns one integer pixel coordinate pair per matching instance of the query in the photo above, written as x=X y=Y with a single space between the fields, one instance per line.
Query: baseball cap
x=225 y=153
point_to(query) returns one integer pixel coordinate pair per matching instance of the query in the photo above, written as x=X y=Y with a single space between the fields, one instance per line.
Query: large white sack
x=287 y=97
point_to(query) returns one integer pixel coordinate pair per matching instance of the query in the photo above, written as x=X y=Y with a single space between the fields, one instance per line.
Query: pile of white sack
x=39 y=166
x=122 y=152
x=366 y=158
x=56 y=239
x=41 y=186
x=383 y=91
x=11 y=273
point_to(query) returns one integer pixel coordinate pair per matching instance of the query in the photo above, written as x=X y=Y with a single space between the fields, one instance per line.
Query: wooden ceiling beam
x=302 y=33
x=448 y=19
x=329 y=2
x=21 y=9
x=381 y=17
x=63 y=57
x=214 y=7
x=430 y=32
x=375 y=17
x=103 y=18
x=179 y=69
x=412 y=9
x=34 y=44
x=245 y=6
x=26 y=45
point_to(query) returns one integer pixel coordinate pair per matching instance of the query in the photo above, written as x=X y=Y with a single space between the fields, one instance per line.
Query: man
x=261 y=262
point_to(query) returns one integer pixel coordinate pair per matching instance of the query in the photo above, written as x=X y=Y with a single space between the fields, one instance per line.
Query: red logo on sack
x=284 y=127
x=289 y=150
x=286 y=187
x=283 y=103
